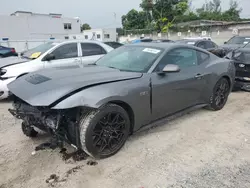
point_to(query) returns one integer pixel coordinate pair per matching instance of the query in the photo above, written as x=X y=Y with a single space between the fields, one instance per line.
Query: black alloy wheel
x=103 y=132
x=110 y=133
x=220 y=94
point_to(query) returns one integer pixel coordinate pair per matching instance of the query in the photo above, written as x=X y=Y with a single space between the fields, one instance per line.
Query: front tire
x=220 y=95
x=104 y=131
x=28 y=130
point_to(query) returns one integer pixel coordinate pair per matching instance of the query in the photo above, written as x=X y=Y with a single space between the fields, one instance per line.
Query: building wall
x=104 y=35
x=26 y=27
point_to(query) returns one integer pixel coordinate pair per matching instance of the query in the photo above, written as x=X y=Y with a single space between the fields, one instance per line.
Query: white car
x=50 y=55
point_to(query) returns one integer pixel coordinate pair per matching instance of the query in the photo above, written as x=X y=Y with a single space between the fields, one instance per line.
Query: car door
x=65 y=55
x=173 y=92
x=91 y=52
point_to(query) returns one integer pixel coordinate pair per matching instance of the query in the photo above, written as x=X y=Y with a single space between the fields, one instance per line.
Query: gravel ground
x=201 y=149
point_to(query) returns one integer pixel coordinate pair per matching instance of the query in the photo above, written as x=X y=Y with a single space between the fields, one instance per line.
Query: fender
x=131 y=92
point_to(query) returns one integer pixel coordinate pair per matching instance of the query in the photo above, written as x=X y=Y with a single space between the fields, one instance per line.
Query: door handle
x=198 y=76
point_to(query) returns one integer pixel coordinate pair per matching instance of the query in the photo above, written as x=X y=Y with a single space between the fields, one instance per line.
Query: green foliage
x=161 y=15
x=135 y=20
x=85 y=27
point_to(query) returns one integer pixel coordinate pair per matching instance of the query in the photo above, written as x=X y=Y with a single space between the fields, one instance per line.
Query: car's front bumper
x=4 y=91
x=242 y=84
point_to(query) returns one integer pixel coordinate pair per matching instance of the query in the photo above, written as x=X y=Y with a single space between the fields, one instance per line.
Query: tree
x=161 y=15
x=85 y=27
x=134 y=20
x=233 y=13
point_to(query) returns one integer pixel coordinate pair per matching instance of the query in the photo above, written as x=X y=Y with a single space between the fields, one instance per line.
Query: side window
x=202 y=57
x=201 y=45
x=183 y=57
x=209 y=45
x=89 y=49
x=214 y=45
x=66 y=51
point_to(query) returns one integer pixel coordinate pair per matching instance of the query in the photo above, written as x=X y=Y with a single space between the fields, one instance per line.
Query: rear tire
x=29 y=131
x=220 y=95
x=104 y=131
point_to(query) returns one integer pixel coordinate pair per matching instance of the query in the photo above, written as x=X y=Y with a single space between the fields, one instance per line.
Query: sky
x=98 y=13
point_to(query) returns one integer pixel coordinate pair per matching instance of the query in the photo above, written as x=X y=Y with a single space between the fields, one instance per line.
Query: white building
x=104 y=35
x=29 y=26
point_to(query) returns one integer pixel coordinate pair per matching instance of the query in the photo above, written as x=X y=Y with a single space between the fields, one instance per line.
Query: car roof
x=162 y=45
x=77 y=40
x=195 y=40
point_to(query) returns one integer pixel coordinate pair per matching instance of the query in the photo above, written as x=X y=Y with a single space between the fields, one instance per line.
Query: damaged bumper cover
x=242 y=83
x=62 y=124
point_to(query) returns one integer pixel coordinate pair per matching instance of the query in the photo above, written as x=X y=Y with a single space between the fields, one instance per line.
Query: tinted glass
x=114 y=44
x=89 y=49
x=239 y=40
x=182 y=57
x=66 y=51
x=131 y=58
x=202 y=45
x=209 y=44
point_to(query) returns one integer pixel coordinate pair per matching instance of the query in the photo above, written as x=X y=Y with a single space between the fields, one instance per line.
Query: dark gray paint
x=95 y=86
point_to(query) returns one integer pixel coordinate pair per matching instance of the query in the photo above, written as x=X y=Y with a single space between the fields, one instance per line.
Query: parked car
x=163 y=40
x=241 y=58
x=114 y=44
x=96 y=108
x=206 y=44
x=236 y=42
x=141 y=40
x=49 y=55
x=7 y=52
x=201 y=43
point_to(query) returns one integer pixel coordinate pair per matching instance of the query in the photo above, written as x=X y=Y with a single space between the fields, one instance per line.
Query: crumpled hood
x=241 y=55
x=42 y=88
x=12 y=61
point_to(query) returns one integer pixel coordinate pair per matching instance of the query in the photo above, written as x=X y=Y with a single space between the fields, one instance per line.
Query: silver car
x=49 y=55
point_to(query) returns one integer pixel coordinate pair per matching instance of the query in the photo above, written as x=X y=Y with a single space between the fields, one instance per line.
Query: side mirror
x=171 y=68
x=225 y=42
x=49 y=57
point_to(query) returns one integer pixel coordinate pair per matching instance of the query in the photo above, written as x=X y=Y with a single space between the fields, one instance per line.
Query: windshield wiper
x=113 y=67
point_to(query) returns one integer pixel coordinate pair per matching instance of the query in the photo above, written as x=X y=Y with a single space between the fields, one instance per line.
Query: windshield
x=239 y=40
x=247 y=46
x=131 y=58
x=39 y=50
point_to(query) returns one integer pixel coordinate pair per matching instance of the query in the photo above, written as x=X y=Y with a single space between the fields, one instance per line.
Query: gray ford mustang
x=96 y=108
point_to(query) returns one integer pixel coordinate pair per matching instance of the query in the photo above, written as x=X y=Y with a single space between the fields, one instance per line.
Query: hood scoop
x=37 y=79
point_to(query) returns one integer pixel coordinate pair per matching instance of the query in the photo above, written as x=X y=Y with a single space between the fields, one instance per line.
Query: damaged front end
x=242 y=65
x=62 y=125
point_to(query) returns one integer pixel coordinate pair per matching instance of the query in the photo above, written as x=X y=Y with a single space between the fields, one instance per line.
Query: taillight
x=13 y=50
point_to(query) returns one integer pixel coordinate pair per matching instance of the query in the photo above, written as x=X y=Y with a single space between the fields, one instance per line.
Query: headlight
x=2 y=72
